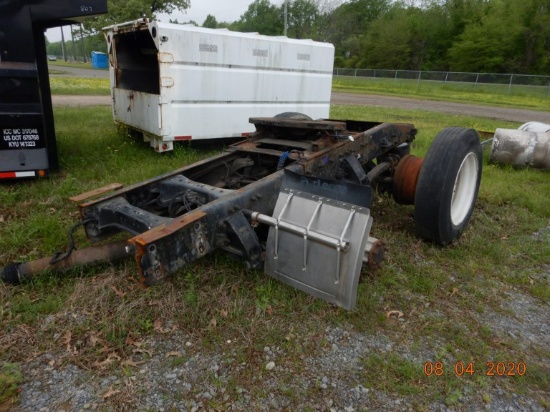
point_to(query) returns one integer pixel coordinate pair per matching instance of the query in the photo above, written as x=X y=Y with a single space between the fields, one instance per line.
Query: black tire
x=293 y=116
x=448 y=185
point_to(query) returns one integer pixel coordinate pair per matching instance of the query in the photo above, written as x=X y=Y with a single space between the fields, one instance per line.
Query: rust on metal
x=139 y=253
x=90 y=256
x=96 y=192
x=406 y=178
x=162 y=231
x=178 y=217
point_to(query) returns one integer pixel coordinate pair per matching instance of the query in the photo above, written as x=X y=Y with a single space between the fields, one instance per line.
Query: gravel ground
x=172 y=370
x=175 y=372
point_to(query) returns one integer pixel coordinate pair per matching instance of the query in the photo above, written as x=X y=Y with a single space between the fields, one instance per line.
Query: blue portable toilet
x=99 y=60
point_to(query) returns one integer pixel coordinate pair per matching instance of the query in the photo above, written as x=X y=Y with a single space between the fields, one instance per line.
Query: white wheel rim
x=464 y=189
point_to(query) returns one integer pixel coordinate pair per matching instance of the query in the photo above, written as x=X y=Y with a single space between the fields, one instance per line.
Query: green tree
x=350 y=19
x=417 y=35
x=495 y=43
x=301 y=19
x=119 y=11
x=534 y=40
x=463 y=13
x=210 y=22
x=387 y=42
x=262 y=17
x=96 y=43
x=175 y=21
x=225 y=25
x=54 y=49
x=430 y=36
x=353 y=47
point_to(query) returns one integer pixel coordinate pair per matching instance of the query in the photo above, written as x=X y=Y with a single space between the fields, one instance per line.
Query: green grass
x=79 y=86
x=391 y=373
x=534 y=98
x=10 y=381
x=443 y=292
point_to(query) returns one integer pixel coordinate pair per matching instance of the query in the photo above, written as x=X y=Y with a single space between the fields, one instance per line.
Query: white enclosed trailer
x=176 y=82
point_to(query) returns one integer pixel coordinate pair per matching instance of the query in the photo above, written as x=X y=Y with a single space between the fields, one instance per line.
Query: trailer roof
x=140 y=24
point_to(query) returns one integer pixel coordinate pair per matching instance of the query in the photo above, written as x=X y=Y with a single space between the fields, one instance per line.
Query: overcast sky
x=222 y=10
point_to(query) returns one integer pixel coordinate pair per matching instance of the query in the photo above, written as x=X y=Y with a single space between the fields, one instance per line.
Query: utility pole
x=63 y=44
x=83 y=43
x=72 y=41
x=286 y=16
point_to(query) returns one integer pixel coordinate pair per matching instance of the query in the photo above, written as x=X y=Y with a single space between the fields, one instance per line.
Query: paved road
x=502 y=113
x=78 y=72
x=67 y=100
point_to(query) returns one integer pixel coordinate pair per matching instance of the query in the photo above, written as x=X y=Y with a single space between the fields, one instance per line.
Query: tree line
x=494 y=36
x=88 y=37
x=498 y=36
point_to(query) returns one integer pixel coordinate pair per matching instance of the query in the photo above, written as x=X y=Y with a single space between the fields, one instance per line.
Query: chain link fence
x=506 y=83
